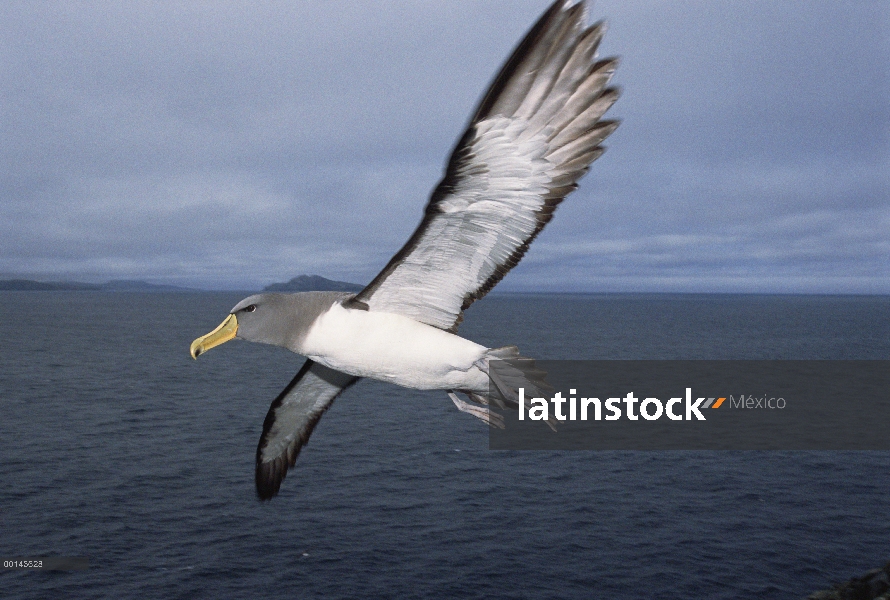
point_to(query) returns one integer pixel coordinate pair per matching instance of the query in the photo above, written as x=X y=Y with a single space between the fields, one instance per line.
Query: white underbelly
x=394 y=348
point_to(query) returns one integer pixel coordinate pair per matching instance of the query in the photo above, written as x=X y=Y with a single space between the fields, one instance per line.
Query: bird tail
x=508 y=371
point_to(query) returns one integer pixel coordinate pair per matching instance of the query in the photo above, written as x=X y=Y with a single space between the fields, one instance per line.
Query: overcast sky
x=229 y=145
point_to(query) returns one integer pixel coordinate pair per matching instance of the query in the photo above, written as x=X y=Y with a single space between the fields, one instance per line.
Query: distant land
x=123 y=285
x=303 y=283
x=313 y=283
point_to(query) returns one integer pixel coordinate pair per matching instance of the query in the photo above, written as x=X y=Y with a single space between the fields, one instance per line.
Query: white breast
x=393 y=348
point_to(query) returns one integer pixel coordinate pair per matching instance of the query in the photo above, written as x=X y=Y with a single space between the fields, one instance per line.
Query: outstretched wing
x=534 y=135
x=290 y=421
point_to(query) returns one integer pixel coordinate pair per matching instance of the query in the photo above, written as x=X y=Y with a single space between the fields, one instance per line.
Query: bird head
x=260 y=318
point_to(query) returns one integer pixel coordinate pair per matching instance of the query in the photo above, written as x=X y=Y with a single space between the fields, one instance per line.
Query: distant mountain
x=40 y=286
x=27 y=285
x=129 y=285
x=313 y=283
x=303 y=283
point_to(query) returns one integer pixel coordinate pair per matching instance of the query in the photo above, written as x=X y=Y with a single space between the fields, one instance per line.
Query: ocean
x=116 y=446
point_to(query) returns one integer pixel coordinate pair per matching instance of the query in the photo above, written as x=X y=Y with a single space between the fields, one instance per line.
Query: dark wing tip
x=510 y=68
x=268 y=475
x=268 y=480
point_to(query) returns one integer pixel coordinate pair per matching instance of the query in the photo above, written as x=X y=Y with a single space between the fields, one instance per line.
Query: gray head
x=277 y=319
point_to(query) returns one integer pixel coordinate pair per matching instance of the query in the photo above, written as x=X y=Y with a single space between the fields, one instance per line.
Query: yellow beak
x=220 y=335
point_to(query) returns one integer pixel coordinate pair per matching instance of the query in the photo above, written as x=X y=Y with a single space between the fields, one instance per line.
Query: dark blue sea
x=115 y=445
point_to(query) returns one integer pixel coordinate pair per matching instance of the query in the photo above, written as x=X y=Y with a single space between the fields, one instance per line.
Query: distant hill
x=40 y=286
x=129 y=285
x=313 y=283
x=27 y=285
x=303 y=283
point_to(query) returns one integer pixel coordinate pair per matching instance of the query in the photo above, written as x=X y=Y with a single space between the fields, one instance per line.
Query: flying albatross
x=533 y=136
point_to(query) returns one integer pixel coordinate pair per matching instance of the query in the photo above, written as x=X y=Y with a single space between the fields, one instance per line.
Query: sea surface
x=115 y=445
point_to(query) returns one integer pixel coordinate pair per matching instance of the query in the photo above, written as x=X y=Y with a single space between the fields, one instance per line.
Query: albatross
x=533 y=136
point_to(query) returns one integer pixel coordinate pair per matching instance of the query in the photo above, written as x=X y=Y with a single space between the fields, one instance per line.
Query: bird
x=534 y=134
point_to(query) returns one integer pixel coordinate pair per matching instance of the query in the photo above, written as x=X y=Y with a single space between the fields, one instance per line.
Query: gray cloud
x=230 y=145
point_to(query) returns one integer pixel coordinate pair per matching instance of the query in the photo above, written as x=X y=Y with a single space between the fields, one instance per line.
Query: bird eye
x=250 y=308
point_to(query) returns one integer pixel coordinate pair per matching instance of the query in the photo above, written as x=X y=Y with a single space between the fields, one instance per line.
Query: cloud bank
x=229 y=145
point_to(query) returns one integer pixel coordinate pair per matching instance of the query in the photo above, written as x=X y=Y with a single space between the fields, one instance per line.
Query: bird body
x=394 y=348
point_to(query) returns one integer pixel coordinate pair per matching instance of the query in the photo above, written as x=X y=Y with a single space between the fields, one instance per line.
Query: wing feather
x=517 y=75
x=574 y=74
x=533 y=136
x=290 y=421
